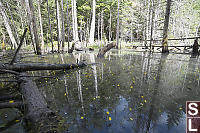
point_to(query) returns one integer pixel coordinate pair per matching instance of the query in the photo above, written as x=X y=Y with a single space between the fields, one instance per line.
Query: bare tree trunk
x=74 y=21
x=32 y=25
x=165 y=30
x=41 y=27
x=13 y=24
x=145 y=25
x=21 y=18
x=110 y=26
x=92 y=28
x=67 y=26
x=58 y=25
x=63 y=26
x=7 y=25
x=98 y=29
x=117 y=35
x=51 y=40
x=35 y=32
x=103 y=50
x=152 y=21
x=102 y=28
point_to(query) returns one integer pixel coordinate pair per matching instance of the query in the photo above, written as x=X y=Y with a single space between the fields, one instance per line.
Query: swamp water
x=125 y=92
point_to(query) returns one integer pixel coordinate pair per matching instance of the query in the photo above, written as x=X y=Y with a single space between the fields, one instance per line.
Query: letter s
x=193 y=108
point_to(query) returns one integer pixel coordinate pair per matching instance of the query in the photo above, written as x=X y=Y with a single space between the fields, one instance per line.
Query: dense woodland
x=54 y=24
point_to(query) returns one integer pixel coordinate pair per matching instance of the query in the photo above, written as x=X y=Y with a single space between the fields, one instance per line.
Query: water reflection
x=124 y=92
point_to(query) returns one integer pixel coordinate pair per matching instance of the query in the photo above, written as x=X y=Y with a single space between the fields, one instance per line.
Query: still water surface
x=125 y=92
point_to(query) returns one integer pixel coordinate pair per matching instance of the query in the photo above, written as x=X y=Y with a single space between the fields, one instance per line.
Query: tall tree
x=74 y=21
x=67 y=26
x=152 y=21
x=7 y=25
x=63 y=25
x=92 y=28
x=41 y=27
x=165 y=30
x=49 y=23
x=117 y=32
x=58 y=24
x=32 y=25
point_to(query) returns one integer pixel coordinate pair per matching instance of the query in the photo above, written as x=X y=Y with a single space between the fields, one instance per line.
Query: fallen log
x=17 y=51
x=37 y=112
x=103 y=50
x=35 y=67
x=9 y=97
x=11 y=105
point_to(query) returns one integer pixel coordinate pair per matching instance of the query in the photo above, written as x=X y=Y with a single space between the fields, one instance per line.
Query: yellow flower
x=130 y=109
x=145 y=101
x=65 y=94
x=142 y=96
x=131 y=87
x=131 y=119
x=118 y=85
x=107 y=113
x=17 y=120
x=86 y=88
x=110 y=118
x=180 y=108
x=12 y=101
x=82 y=117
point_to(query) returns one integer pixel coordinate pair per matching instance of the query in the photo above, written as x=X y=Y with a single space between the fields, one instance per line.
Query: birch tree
x=7 y=25
x=92 y=29
x=74 y=21
x=58 y=25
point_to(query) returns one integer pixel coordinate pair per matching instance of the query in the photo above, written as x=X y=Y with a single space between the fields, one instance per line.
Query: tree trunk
x=35 y=32
x=14 y=28
x=41 y=27
x=51 y=40
x=58 y=25
x=105 y=49
x=43 y=119
x=36 y=67
x=32 y=25
x=92 y=29
x=63 y=26
x=117 y=35
x=98 y=30
x=74 y=21
x=102 y=27
x=21 y=18
x=7 y=25
x=110 y=26
x=67 y=26
x=152 y=21
x=165 y=30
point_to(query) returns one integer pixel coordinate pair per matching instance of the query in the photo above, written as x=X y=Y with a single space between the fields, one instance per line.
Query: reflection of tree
x=94 y=69
x=173 y=115
x=192 y=77
x=155 y=92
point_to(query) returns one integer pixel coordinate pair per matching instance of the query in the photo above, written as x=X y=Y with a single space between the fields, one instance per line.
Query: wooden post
x=195 y=47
